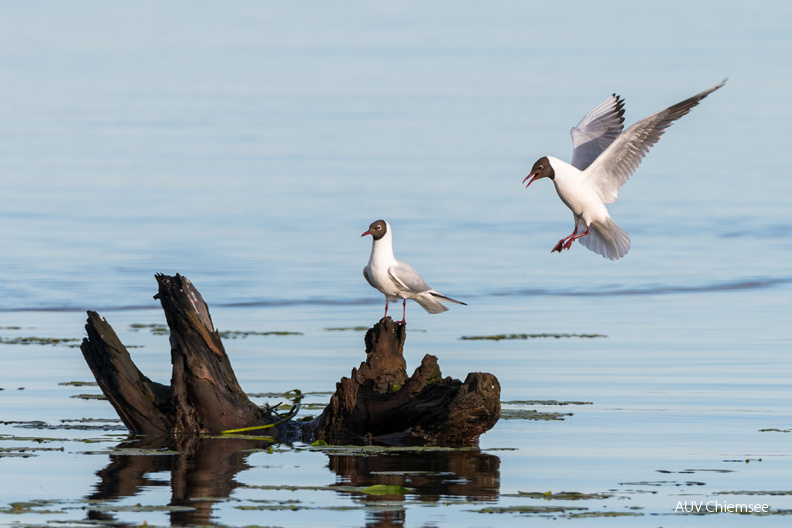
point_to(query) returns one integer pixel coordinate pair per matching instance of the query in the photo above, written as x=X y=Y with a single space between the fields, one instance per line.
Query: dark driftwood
x=204 y=395
x=379 y=403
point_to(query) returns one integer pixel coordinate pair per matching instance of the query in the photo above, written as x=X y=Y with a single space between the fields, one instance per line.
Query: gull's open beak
x=532 y=178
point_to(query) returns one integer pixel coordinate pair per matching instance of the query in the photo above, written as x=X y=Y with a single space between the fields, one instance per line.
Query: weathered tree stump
x=379 y=403
x=204 y=395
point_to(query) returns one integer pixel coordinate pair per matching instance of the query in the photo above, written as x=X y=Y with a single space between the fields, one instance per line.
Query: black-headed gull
x=397 y=280
x=603 y=159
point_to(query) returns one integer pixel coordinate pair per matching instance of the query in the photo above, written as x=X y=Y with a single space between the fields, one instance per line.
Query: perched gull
x=603 y=158
x=397 y=280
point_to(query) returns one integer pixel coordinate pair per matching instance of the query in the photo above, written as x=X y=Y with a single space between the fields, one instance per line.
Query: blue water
x=248 y=146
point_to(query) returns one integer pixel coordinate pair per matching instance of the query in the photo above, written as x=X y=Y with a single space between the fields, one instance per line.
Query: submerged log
x=379 y=403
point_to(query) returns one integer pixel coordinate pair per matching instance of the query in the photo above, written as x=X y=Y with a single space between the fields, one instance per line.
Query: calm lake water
x=248 y=146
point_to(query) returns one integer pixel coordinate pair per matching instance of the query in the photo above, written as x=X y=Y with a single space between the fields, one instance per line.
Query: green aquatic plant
x=154 y=328
x=162 y=329
x=386 y=489
x=544 y=402
x=78 y=384
x=280 y=419
x=531 y=414
x=32 y=340
x=89 y=396
x=583 y=515
x=25 y=452
x=32 y=507
x=500 y=337
x=564 y=495
x=235 y=334
x=530 y=510
x=746 y=492
x=359 y=329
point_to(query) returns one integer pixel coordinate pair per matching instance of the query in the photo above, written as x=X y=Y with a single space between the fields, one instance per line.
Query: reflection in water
x=203 y=469
x=432 y=475
x=203 y=472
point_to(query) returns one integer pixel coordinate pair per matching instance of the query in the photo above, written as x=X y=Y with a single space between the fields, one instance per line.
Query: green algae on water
x=154 y=328
x=359 y=329
x=78 y=384
x=531 y=414
x=162 y=329
x=583 y=515
x=32 y=507
x=544 y=402
x=347 y=329
x=44 y=341
x=386 y=489
x=25 y=452
x=564 y=495
x=530 y=510
x=236 y=334
x=500 y=337
x=89 y=396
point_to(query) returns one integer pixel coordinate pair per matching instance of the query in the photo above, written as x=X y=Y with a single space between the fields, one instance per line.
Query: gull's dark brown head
x=377 y=229
x=540 y=169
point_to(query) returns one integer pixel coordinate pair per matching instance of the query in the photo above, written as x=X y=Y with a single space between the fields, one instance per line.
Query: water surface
x=247 y=148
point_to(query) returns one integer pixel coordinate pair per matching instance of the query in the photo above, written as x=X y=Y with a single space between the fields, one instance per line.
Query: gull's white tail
x=429 y=303
x=607 y=239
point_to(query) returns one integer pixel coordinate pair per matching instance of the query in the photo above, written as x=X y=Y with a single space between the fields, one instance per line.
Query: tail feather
x=607 y=239
x=445 y=298
x=430 y=301
x=430 y=304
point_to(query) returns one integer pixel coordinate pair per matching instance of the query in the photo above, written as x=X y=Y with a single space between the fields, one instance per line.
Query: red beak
x=532 y=177
x=366 y=233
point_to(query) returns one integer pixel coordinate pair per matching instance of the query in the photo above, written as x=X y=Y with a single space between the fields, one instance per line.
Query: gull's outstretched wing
x=620 y=160
x=596 y=131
